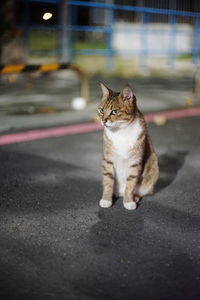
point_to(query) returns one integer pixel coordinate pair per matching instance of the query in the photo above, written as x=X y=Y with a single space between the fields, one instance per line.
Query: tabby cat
x=129 y=165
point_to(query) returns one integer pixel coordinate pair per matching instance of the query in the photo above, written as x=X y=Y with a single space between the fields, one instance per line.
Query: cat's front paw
x=130 y=205
x=105 y=203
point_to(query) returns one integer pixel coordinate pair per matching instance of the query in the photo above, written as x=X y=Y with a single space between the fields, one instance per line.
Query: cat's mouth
x=112 y=125
x=106 y=124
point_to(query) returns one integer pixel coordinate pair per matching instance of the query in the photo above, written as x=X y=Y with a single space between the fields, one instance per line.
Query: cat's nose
x=104 y=120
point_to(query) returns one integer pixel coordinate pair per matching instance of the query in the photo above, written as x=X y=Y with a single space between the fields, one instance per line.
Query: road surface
x=57 y=243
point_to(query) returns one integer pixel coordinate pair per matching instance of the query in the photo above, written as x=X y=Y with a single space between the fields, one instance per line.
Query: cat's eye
x=114 y=112
x=101 y=110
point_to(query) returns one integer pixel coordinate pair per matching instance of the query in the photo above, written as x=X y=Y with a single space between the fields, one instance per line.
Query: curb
x=32 y=135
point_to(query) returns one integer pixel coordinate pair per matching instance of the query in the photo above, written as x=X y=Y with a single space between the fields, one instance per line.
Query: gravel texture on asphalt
x=57 y=243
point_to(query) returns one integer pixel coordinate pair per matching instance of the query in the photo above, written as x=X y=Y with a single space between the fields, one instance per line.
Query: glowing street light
x=47 y=16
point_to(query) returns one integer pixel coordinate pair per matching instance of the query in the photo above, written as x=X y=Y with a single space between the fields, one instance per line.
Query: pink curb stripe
x=87 y=127
x=48 y=133
x=174 y=114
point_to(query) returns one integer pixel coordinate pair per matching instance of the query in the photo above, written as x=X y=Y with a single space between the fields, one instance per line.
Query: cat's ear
x=105 y=90
x=127 y=94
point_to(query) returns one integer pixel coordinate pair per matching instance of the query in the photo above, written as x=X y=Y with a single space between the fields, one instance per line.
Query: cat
x=129 y=165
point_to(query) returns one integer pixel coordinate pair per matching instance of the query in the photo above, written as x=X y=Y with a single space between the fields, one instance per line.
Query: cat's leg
x=131 y=182
x=108 y=183
x=137 y=198
x=116 y=189
x=149 y=177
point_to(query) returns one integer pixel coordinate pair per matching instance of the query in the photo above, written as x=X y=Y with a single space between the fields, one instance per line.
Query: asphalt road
x=56 y=243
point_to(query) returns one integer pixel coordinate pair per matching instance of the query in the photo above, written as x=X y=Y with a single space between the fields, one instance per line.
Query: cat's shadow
x=169 y=165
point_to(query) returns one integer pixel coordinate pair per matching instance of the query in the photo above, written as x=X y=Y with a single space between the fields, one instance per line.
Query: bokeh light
x=47 y=16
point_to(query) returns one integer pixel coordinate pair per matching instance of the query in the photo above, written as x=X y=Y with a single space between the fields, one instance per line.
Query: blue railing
x=143 y=31
x=134 y=9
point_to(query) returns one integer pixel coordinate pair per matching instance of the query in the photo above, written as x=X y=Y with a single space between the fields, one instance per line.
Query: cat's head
x=117 y=110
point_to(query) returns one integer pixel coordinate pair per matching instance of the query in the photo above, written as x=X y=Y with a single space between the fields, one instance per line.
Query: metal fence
x=108 y=30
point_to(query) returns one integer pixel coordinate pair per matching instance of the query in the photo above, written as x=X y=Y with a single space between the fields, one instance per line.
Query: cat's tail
x=149 y=178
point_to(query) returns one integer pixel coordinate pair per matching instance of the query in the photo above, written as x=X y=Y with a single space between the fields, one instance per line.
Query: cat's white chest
x=124 y=139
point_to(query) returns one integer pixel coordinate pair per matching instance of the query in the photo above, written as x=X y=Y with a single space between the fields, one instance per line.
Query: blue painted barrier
x=135 y=9
x=144 y=30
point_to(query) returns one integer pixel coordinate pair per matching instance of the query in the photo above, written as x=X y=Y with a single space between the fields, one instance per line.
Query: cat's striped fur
x=129 y=165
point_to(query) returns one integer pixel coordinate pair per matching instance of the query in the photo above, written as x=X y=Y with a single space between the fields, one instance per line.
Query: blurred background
x=116 y=41
x=116 y=32
x=56 y=243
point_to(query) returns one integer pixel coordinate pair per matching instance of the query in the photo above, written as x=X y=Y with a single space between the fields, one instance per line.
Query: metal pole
x=195 y=49
x=72 y=35
x=172 y=36
x=143 y=41
x=26 y=29
x=110 y=53
x=63 y=32
x=172 y=42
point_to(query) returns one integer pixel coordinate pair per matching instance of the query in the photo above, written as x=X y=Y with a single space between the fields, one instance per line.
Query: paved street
x=40 y=100
x=56 y=243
